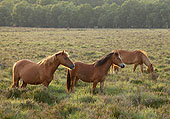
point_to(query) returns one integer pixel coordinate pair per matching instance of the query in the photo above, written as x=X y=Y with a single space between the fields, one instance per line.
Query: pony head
x=63 y=58
x=116 y=59
x=150 y=68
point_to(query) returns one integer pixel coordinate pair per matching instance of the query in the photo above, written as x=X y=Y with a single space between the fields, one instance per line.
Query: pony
x=41 y=72
x=93 y=73
x=137 y=57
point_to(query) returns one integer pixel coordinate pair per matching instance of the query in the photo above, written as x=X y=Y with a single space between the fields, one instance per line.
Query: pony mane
x=48 y=60
x=144 y=53
x=103 y=60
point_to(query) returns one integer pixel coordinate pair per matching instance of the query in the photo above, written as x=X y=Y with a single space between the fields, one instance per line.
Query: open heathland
x=127 y=94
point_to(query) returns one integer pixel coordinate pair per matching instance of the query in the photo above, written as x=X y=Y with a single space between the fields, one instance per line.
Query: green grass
x=127 y=95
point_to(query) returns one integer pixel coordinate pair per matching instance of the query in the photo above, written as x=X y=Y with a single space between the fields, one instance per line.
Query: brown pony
x=41 y=72
x=137 y=57
x=95 y=72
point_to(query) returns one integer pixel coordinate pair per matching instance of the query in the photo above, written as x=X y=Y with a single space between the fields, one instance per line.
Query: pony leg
x=73 y=82
x=116 y=69
x=135 y=67
x=111 y=68
x=24 y=85
x=94 y=87
x=76 y=80
x=141 y=67
x=101 y=87
x=73 y=79
x=46 y=83
x=15 y=81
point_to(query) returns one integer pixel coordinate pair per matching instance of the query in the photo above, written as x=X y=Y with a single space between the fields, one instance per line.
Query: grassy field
x=127 y=95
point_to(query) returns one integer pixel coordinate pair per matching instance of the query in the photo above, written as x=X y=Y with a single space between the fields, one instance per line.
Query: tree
x=85 y=13
x=22 y=14
x=63 y=14
x=132 y=14
x=5 y=13
x=109 y=17
x=42 y=16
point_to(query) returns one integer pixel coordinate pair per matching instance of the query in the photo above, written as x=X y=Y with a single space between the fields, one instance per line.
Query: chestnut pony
x=93 y=73
x=41 y=72
x=137 y=57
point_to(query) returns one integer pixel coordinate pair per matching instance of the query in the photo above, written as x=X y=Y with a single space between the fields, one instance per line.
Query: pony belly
x=36 y=83
x=85 y=78
x=34 y=80
x=87 y=81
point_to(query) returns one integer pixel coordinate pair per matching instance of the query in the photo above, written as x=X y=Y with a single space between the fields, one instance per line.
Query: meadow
x=127 y=95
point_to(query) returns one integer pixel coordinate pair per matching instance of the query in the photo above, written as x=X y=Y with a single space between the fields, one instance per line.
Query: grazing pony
x=41 y=72
x=137 y=57
x=93 y=73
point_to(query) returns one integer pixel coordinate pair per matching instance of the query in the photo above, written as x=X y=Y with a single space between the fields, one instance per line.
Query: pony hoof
x=13 y=86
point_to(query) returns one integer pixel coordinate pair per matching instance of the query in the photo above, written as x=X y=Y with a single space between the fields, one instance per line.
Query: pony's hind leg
x=24 y=85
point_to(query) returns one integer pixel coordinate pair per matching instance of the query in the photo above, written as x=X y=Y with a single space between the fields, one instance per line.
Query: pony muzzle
x=72 y=66
x=122 y=65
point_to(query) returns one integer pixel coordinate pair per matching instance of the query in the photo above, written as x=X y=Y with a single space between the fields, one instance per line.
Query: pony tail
x=68 y=81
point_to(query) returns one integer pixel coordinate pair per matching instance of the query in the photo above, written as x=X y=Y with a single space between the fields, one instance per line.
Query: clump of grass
x=155 y=102
x=9 y=111
x=88 y=99
x=28 y=104
x=153 y=76
x=42 y=94
x=13 y=93
x=136 y=81
x=116 y=111
x=148 y=100
x=65 y=109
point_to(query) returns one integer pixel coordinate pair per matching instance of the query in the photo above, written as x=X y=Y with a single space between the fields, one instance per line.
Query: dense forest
x=85 y=13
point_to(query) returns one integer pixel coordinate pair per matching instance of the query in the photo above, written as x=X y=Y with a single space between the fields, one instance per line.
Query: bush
x=43 y=95
x=14 y=93
x=88 y=99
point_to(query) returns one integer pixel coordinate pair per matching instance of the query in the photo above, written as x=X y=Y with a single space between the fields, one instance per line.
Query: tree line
x=85 y=13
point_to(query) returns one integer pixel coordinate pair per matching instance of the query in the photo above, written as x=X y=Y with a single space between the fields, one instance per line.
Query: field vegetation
x=127 y=95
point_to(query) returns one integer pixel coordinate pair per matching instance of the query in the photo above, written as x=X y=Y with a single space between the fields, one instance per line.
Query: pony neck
x=146 y=61
x=106 y=66
x=51 y=68
x=54 y=67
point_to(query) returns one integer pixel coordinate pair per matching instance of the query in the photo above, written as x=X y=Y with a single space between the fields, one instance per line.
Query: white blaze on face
x=119 y=57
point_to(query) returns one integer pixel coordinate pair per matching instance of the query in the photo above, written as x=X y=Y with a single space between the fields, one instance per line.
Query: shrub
x=88 y=99
x=43 y=95
x=14 y=93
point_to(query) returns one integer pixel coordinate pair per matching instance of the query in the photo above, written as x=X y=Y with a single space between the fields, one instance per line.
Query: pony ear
x=56 y=54
x=63 y=52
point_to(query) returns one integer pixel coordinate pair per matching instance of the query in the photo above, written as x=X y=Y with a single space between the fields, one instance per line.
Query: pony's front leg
x=24 y=85
x=135 y=67
x=101 y=86
x=46 y=83
x=141 y=67
x=73 y=81
x=116 y=69
x=15 y=81
x=94 y=87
